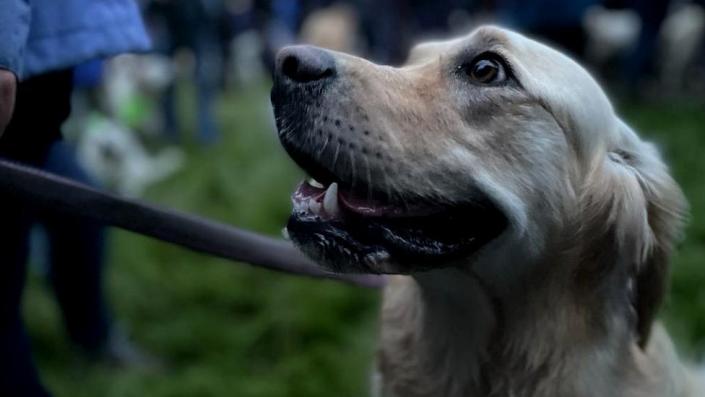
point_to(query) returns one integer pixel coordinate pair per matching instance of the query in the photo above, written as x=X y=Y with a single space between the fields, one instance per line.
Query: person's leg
x=76 y=257
x=208 y=67
x=639 y=61
x=43 y=103
x=171 y=121
x=76 y=250
x=18 y=376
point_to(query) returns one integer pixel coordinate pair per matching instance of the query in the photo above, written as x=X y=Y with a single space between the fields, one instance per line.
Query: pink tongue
x=306 y=191
x=372 y=208
x=366 y=207
x=361 y=206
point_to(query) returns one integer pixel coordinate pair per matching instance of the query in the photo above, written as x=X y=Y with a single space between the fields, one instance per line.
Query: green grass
x=679 y=128
x=228 y=329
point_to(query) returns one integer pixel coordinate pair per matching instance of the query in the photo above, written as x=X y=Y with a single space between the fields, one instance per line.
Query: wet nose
x=304 y=64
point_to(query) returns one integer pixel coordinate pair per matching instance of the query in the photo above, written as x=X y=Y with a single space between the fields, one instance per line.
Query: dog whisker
x=369 y=177
x=325 y=145
x=353 y=171
x=335 y=156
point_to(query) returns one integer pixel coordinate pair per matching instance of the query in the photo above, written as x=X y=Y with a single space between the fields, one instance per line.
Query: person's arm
x=14 y=27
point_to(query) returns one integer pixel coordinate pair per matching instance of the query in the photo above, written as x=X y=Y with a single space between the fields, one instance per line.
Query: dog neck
x=430 y=333
x=446 y=334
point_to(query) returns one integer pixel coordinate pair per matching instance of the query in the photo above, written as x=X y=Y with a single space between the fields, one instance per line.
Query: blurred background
x=190 y=126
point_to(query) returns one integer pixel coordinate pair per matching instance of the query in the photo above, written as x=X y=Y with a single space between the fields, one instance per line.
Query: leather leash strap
x=52 y=193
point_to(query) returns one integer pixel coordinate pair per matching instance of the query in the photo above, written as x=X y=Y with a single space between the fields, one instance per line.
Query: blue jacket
x=38 y=36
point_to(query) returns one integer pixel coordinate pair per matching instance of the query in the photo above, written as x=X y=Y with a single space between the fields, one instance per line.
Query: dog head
x=479 y=152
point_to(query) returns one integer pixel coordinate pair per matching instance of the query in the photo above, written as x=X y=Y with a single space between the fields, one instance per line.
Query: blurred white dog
x=114 y=155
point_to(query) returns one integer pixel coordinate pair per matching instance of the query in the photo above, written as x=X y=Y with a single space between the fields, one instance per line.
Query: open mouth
x=352 y=233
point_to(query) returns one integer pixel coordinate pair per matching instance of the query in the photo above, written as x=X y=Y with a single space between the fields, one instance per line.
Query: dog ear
x=666 y=210
x=646 y=212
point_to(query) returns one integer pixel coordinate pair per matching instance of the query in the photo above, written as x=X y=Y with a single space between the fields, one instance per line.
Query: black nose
x=303 y=63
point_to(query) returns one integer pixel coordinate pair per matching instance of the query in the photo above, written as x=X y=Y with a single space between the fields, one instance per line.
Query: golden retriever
x=528 y=228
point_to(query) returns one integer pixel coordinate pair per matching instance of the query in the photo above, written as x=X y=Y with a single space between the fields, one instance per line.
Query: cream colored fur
x=565 y=306
x=562 y=303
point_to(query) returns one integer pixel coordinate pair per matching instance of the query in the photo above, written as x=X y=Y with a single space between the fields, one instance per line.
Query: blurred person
x=42 y=41
x=559 y=21
x=279 y=22
x=639 y=61
x=75 y=257
x=192 y=25
x=392 y=26
x=431 y=17
x=333 y=27
x=680 y=40
x=385 y=25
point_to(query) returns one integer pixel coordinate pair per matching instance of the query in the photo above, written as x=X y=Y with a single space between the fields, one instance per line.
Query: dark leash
x=52 y=193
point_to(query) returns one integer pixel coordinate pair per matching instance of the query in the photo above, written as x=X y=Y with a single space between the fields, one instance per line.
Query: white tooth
x=330 y=200
x=315 y=183
x=314 y=206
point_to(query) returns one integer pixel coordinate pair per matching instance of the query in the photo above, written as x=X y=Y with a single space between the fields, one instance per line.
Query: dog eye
x=486 y=70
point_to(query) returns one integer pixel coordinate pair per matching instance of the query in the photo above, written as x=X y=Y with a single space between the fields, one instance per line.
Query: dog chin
x=332 y=246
